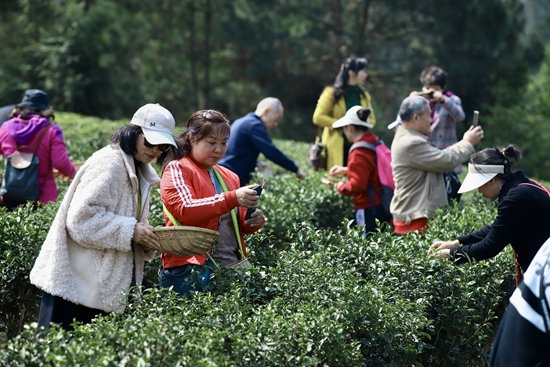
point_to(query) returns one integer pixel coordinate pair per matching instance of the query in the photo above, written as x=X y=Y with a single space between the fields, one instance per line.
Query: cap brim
x=34 y=106
x=341 y=122
x=157 y=137
x=394 y=124
x=344 y=121
x=475 y=180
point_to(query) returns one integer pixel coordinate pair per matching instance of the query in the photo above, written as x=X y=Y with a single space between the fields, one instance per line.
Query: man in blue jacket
x=249 y=138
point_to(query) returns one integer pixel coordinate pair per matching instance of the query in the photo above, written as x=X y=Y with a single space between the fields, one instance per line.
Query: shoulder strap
x=170 y=216
x=537 y=185
x=37 y=144
x=234 y=213
x=363 y=144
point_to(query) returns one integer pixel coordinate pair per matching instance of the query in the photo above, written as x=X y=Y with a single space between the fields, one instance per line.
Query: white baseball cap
x=478 y=175
x=351 y=118
x=157 y=124
x=395 y=123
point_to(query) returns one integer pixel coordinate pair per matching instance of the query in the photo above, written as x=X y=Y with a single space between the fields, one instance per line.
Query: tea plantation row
x=319 y=294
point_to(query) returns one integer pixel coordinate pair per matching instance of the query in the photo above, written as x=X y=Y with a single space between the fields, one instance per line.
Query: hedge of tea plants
x=319 y=293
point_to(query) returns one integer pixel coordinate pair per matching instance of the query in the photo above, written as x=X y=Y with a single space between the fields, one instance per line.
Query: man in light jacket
x=418 y=166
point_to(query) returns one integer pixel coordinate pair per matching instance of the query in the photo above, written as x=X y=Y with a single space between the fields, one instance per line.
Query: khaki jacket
x=326 y=113
x=418 y=173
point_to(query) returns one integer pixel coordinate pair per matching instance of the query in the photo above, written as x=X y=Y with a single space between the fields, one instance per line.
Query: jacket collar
x=512 y=181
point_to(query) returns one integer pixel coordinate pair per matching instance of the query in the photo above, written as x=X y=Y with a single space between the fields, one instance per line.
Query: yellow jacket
x=326 y=113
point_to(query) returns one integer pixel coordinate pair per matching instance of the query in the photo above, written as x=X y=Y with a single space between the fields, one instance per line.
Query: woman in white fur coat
x=98 y=242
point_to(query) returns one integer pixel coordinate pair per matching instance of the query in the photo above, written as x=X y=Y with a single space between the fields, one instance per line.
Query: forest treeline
x=103 y=58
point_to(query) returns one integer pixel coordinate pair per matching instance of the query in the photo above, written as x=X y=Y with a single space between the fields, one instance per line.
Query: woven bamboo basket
x=185 y=240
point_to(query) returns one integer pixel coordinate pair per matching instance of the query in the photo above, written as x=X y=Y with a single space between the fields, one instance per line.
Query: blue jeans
x=187 y=278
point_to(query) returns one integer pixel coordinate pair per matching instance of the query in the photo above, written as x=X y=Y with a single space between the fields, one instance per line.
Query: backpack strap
x=537 y=185
x=363 y=144
x=37 y=144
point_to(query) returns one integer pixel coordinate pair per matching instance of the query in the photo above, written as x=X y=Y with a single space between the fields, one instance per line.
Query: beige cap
x=157 y=124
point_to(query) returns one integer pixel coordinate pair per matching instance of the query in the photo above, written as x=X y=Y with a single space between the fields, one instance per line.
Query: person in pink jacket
x=28 y=119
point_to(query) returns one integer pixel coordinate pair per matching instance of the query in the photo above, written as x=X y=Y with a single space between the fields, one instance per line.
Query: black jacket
x=523 y=221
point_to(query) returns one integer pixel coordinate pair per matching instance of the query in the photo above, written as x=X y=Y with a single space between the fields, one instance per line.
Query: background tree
x=103 y=58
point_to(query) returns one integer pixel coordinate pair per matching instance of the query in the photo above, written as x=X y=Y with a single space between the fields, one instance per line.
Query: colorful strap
x=233 y=214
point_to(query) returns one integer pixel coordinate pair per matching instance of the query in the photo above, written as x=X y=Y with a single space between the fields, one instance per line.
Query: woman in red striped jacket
x=197 y=192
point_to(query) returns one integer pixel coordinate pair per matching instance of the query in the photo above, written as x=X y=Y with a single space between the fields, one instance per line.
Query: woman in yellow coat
x=334 y=103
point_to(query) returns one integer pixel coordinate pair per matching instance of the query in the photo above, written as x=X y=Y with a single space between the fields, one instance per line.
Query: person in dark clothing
x=5 y=113
x=249 y=138
x=523 y=210
x=523 y=335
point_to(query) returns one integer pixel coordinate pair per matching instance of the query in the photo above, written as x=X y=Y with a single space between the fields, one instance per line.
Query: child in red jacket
x=361 y=170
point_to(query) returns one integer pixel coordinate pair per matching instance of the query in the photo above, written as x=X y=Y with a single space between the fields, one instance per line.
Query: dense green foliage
x=318 y=294
x=105 y=58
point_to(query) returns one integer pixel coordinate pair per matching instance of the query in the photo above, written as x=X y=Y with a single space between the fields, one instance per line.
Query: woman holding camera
x=198 y=192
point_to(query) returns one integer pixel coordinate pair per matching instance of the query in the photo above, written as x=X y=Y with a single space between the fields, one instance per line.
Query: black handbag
x=316 y=156
x=452 y=185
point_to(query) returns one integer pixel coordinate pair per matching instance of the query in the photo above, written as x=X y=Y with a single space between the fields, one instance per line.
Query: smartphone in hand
x=258 y=189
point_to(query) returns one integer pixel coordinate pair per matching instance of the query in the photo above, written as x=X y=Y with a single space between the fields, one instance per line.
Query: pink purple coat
x=51 y=152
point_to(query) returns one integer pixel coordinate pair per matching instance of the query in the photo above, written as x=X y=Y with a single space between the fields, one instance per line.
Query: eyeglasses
x=162 y=147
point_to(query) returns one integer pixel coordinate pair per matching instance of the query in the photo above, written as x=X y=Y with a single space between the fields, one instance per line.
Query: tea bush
x=319 y=292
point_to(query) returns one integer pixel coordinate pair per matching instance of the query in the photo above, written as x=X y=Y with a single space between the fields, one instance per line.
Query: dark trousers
x=56 y=309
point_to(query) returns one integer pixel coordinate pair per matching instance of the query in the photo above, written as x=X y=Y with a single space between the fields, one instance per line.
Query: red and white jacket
x=188 y=193
x=362 y=171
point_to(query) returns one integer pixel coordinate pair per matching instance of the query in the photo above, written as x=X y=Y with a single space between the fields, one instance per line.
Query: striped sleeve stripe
x=183 y=191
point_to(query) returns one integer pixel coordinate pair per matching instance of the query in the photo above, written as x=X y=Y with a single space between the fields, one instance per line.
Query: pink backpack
x=383 y=166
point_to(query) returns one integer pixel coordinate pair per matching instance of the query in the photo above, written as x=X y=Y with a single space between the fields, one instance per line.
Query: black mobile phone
x=249 y=211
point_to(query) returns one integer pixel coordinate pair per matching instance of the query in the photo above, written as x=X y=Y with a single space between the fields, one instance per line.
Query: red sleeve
x=190 y=196
x=360 y=167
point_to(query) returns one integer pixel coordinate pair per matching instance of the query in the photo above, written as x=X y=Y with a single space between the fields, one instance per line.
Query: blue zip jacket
x=248 y=139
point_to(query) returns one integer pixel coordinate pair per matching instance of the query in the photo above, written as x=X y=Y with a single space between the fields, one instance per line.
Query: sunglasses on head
x=162 y=147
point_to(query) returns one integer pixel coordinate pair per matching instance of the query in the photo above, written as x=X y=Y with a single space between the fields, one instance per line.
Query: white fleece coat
x=87 y=257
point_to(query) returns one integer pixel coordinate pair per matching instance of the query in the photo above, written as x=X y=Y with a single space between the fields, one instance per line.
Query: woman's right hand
x=437 y=246
x=247 y=197
x=143 y=235
x=338 y=171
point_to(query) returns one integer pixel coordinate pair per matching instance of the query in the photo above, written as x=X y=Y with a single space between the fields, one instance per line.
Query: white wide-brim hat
x=351 y=118
x=395 y=123
x=157 y=124
x=478 y=175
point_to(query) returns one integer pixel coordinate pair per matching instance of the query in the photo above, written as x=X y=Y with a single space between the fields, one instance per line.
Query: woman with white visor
x=523 y=219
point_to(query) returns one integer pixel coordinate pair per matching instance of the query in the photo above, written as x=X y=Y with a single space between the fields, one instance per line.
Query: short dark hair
x=433 y=75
